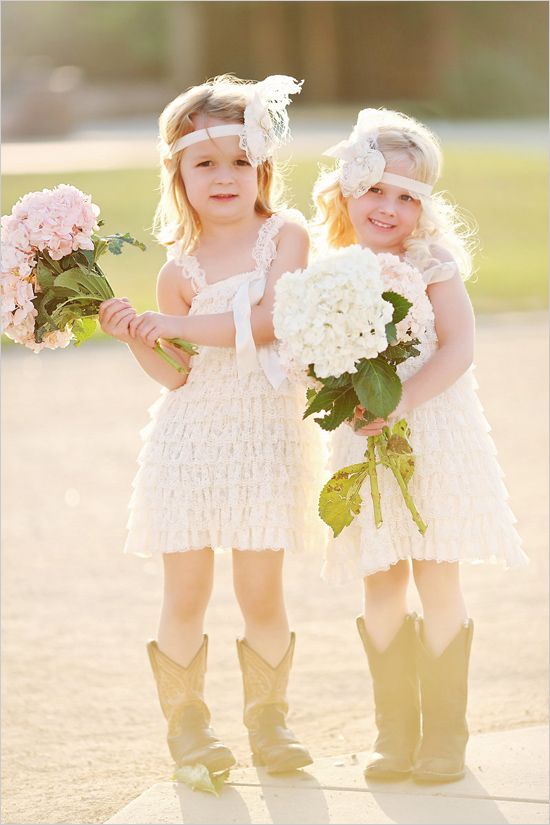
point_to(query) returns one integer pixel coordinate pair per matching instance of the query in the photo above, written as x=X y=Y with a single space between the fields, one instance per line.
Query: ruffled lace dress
x=457 y=485
x=227 y=461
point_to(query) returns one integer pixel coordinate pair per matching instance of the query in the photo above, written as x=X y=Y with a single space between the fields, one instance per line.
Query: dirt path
x=82 y=734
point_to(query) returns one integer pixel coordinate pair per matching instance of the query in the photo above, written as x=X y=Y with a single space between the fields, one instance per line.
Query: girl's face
x=220 y=183
x=385 y=216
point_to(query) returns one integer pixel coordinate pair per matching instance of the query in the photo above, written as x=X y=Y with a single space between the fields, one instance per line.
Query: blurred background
x=84 y=84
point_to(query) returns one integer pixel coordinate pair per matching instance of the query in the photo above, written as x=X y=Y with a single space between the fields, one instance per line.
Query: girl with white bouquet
x=380 y=197
x=227 y=463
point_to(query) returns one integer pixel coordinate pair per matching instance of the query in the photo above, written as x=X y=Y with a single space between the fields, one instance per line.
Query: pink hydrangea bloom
x=59 y=221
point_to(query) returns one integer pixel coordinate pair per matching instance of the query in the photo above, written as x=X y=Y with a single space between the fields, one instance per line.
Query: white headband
x=265 y=125
x=204 y=134
x=361 y=164
x=407 y=183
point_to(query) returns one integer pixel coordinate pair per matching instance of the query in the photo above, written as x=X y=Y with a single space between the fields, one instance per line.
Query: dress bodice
x=238 y=294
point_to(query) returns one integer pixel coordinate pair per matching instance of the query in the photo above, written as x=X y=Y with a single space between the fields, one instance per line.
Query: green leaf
x=100 y=247
x=391 y=333
x=115 y=242
x=401 y=305
x=198 y=778
x=399 y=450
x=82 y=329
x=322 y=400
x=44 y=275
x=398 y=444
x=342 y=408
x=395 y=354
x=340 y=500
x=343 y=380
x=378 y=386
x=55 y=266
x=82 y=283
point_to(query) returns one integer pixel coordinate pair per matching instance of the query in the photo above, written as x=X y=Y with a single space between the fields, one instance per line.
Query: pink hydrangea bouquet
x=346 y=323
x=51 y=284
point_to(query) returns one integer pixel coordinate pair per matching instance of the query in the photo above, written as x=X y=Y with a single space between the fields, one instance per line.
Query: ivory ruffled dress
x=227 y=461
x=457 y=485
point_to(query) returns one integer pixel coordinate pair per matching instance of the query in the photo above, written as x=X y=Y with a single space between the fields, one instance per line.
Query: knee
x=260 y=606
x=436 y=582
x=387 y=584
x=186 y=604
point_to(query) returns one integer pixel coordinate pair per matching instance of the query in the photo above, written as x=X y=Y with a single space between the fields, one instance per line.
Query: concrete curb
x=506 y=782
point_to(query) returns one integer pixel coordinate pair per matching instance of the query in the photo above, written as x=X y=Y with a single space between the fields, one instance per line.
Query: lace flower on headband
x=361 y=164
x=265 y=127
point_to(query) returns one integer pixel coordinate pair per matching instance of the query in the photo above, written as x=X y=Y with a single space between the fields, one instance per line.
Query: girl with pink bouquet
x=227 y=462
x=381 y=196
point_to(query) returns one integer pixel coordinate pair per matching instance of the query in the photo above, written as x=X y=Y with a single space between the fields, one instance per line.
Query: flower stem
x=374 y=491
x=407 y=496
x=168 y=358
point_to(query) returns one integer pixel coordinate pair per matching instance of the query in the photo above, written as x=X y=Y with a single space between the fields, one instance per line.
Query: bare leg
x=258 y=582
x=386 y=603
x=438 y=585
x=188 y=579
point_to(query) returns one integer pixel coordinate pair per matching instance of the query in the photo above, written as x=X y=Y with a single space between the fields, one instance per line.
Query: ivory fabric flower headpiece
x=360 y=162
x=265 y=127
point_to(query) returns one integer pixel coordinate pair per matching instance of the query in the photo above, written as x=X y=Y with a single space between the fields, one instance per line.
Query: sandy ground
x=82 y=733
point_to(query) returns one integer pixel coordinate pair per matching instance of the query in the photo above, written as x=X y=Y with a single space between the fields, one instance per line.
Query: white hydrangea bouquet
x=346 y=323
x=51 y=284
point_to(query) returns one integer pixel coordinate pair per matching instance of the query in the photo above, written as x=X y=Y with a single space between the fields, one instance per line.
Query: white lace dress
x=457 y=485
x=227 y=461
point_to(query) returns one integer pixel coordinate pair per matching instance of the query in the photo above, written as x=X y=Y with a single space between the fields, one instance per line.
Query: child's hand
x=374 y=428
x=115 y=316
x=150 y=326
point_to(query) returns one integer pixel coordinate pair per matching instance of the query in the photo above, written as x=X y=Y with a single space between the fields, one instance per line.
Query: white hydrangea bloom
x=399 y=276
x=332 y=314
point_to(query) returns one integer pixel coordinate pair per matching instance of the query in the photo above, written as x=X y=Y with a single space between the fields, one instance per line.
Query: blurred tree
x=466 y=58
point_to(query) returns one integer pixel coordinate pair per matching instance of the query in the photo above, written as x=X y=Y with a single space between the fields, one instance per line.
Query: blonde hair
x=224 y=98
x=440 y=223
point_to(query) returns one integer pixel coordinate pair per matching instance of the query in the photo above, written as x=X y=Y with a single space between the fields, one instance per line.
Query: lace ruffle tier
x=227 y=462
x=457 y=488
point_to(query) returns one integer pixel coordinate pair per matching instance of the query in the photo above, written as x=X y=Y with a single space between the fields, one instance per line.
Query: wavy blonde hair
x=441 y=223
x=224 y=98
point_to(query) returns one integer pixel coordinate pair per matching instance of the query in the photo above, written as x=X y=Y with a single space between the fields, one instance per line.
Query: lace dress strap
x=441 y=266
x=190 y=267
x=265 y=249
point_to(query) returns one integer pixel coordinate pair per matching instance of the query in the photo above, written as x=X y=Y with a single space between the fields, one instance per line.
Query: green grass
x=504 y=191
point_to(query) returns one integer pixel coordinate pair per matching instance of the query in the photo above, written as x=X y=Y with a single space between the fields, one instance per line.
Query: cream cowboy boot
x=265 y=708
x=396 y=702
x=180 y=690
x=444 y=691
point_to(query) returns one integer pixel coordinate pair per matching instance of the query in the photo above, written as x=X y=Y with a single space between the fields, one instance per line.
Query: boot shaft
x=393 y=671
x=179 y=688
x=263 y=684
x=444 y=678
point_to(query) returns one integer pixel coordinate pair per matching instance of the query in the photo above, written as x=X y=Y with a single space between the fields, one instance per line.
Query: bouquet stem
x=416 y=517
x=374 y=490
x=168 y=358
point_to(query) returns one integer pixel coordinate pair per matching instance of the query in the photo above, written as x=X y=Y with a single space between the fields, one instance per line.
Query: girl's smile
x=385 y=216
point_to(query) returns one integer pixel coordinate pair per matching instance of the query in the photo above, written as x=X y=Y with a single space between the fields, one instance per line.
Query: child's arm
x=116 y=314
x=455 y=327
x=219 y=330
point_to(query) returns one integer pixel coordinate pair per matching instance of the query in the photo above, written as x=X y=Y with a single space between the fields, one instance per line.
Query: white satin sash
x=248 y=295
